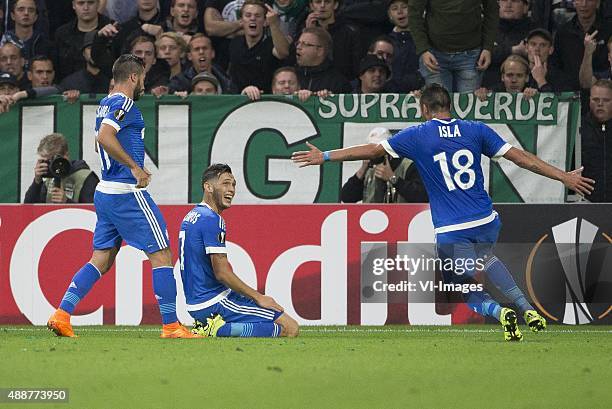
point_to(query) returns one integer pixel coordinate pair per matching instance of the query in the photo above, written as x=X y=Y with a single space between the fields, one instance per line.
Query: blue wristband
x=326 y=156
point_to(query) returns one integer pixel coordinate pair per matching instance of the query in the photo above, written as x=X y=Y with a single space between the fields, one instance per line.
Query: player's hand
x=143 y=177
x=308 y=158
x=430 y=61
x=484 y=60
x=578 y=183
x=252 y=92
x=41 y=168
x=303 y=94
x=383 y=170
x=265 y=301
x=312 y=20
x=590 y=43
x=58 y=195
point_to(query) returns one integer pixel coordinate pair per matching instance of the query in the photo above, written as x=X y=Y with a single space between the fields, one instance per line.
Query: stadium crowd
x=318 y=47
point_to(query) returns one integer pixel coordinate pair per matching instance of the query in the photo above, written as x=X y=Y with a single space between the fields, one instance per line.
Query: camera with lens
x=59 y=167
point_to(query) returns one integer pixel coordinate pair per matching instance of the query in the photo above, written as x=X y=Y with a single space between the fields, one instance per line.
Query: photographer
x=385 y=181
x=57 y=179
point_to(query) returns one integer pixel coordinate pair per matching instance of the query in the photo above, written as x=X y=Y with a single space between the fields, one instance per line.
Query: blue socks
x=482 y=303
x=82 y=282
x=164 y=287
x=502 y=279
x=247 y=329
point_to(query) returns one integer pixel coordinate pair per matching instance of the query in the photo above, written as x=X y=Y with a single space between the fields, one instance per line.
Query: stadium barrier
x=311 y=259
x=257 y=138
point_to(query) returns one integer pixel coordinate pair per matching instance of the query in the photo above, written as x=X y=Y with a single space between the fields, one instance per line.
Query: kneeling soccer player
x=219 y=301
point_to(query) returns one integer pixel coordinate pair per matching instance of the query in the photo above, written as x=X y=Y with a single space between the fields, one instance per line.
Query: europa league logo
x=569 y=274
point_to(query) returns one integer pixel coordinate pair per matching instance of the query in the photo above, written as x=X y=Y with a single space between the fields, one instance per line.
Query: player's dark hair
x=126 y=65
x=436 y=98
x=214 y=171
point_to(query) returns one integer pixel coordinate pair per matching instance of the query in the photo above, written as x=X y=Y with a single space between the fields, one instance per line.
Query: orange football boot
x=176 y=330
x=59 y=323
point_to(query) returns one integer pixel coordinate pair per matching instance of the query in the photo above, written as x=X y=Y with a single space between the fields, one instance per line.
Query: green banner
x=183 y=136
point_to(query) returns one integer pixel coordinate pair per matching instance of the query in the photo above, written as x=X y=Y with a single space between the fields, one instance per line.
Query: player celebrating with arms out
x=221 y=303
x=124 y=208
x=447 y=154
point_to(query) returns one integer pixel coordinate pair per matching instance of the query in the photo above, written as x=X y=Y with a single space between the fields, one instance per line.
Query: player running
x=220 y=302
x=447 y=154
x=124 y=208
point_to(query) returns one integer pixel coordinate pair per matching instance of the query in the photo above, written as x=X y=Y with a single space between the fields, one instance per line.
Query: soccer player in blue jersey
x=447 y=154
x=124 y=208
x=219 y=301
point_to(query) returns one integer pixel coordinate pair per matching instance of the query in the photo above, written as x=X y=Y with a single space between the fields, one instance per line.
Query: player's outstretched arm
x=225 y=274
x=107 y=137
x=572 y=180
x=314 y=156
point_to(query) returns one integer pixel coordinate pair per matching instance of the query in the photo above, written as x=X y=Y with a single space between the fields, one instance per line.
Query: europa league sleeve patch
x=221 y=237
x=119 y=114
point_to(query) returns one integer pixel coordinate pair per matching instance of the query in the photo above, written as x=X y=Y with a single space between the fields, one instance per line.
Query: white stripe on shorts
x=246 y=310
x=254 y=309
x=144 y=206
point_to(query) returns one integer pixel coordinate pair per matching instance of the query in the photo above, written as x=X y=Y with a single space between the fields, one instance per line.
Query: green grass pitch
x=326 y=367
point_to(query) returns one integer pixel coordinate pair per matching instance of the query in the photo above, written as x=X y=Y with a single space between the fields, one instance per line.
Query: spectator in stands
x=373 y=75
x=569 y=41
x=42 y=76
x=291 y=13
x=182 y=20
x=386 y=181
x=544 y=77
x=120 y=11
x=586 y=75
x=284 y=82
x=255 y=55
x=315 y=70
x=222 y=22
x=514 y=25
x=8 y=84
x=30 y=41
x=202 y=55
x=550 y=14
x=78 y=186
x=205 y=84
x=69 y=37
x=405 y=65
x=172 y=48
x=596 y=134
x=514 y=76
x=454 y=41
x=12 y=61
x=157 y=71
x=114 y=39
x=88 y=80
x=346 y=49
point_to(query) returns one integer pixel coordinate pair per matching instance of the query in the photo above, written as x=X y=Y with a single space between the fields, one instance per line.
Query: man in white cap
x=388 y=180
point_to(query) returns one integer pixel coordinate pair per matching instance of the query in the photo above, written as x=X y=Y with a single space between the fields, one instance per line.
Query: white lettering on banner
x=420 y=230
x=232 y=138
x=25 y=285
x=332 y=253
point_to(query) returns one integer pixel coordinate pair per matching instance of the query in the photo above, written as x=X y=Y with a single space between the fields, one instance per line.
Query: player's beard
x=138 y=91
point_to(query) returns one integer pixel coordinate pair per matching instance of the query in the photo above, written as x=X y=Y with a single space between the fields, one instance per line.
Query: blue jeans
x=457 y=73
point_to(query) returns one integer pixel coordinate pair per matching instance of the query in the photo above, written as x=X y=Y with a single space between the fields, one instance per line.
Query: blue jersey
x=447 y=154
x=202 y=234
x=119 y=111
